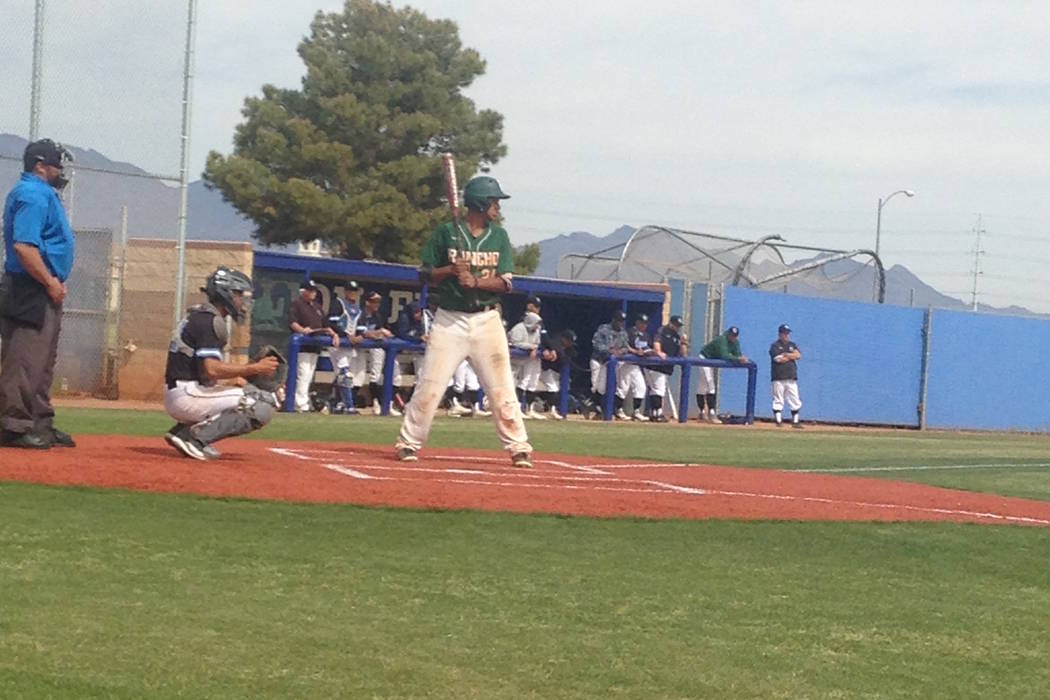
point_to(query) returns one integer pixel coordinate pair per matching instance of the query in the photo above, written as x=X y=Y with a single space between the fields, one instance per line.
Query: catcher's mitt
x=276 y=380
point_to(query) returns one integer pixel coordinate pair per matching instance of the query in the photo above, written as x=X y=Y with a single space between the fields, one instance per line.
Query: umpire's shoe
x=60 y=438
x=32 y=441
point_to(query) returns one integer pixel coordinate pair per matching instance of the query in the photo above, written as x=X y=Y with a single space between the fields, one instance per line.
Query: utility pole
x=38 y=69
x=978 y=231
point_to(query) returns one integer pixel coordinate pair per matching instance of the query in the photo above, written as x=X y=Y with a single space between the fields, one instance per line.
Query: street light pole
x=878 y=215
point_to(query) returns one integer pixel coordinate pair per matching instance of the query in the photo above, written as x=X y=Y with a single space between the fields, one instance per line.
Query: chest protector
x=218 y=325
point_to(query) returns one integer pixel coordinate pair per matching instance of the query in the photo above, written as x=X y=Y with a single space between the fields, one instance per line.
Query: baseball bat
x=451 y=190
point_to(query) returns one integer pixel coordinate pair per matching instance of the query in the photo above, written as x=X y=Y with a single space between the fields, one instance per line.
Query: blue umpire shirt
x=34 y=214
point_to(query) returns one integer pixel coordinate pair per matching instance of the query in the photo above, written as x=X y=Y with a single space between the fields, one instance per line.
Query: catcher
x=206 y=410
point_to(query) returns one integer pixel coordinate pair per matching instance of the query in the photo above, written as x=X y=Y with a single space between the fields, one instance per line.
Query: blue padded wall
x=861 y=363
x=988 y=372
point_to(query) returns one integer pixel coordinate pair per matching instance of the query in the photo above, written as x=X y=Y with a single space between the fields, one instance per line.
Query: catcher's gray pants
x=27 y=367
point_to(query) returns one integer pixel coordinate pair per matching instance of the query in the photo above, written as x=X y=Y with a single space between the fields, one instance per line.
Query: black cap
x=569 y=334
x=351 y=286
x=675 y=321
x=784 y=328
x=643 y=318
x=619 y=315
x=534 y=300
x=47 y=152
x=307 y=284
x=372 y=295
x=733 y=330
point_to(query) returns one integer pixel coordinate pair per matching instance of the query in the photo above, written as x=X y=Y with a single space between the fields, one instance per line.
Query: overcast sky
x=736 y=118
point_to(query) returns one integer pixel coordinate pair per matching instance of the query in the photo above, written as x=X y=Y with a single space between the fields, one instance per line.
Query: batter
x=471 y=265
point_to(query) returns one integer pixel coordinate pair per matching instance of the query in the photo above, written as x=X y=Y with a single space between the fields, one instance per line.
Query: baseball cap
x=351 y=286
x=307 y=284
x=47 y=152
x=534 y=300
x=642 y=318
x=784 y=328
x=675 y=321
x=373 y=295
x=619 y=315
x=733 y=330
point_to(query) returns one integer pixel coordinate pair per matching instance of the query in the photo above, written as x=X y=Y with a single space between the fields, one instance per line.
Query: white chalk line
x=922 y=468
x=661 y=487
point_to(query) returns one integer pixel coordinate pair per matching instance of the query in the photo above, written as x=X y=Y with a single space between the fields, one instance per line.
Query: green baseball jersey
x=490 y=255
x=722 y=348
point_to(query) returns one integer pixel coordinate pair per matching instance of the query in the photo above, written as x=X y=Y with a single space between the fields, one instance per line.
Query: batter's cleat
x=187 y=445
x=406 y=454
x=521 y=460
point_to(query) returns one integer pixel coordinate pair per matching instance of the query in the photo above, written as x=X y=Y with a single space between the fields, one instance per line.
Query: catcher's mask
x=233 y=289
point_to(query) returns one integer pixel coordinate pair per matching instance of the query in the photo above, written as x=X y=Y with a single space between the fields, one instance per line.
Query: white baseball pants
x=480 y=338
x=785 y=390
x=526 y=372
x=550 y=380
x=707 y=380
x=190 y=402
x=304 y=376
x=629 y=379
x=657 y=382
x=464 y=378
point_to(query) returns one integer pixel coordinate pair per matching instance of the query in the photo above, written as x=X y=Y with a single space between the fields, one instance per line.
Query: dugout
x=579 y=305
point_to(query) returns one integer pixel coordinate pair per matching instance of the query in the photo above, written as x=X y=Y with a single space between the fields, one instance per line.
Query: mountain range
x=97 y=194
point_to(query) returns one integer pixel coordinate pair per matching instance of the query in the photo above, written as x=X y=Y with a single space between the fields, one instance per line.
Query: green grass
x=127 y=595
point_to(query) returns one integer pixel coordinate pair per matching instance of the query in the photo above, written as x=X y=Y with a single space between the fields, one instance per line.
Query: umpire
x=39 y=246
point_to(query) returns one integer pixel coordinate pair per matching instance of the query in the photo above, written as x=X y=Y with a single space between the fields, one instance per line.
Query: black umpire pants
x=27 y=368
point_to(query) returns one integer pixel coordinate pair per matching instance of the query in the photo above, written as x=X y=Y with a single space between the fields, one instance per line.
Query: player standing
x=471 y=265
x=784 y=376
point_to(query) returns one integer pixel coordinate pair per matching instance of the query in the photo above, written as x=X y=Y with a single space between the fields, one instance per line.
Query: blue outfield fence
x=988 y=372
x=861 y=363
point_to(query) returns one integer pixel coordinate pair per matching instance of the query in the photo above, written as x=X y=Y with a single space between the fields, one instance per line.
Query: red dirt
x=473 y=479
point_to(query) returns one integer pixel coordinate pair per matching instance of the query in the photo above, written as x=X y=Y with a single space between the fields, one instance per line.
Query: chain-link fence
x=110 y=83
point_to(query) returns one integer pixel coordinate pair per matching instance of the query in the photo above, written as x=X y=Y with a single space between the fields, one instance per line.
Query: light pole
x=878 y=214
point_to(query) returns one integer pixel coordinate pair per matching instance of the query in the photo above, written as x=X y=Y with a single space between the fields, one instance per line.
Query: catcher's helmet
x=480 y=191
x=231 y=288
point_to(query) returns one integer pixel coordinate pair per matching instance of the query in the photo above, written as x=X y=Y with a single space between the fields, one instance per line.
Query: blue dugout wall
x=861 y=363
x=988 y=372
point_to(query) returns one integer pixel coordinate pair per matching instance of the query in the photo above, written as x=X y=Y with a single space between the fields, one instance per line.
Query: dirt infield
x=471 y=479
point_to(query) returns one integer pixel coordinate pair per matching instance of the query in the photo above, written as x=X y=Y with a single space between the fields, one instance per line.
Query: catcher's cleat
x=406 y=454
x=188 y=446
x=521 y=460
x=210 y=452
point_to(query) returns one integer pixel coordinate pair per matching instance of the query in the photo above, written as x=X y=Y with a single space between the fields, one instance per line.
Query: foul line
x=920 y=468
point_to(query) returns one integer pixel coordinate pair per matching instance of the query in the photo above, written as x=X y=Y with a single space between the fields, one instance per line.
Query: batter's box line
x=510 y=471
x=305 y=455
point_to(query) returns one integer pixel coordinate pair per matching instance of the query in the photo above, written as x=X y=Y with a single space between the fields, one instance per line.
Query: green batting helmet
x=480 y=191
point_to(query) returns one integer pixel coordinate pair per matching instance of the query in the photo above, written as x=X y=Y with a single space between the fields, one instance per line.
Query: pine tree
x=353 y=158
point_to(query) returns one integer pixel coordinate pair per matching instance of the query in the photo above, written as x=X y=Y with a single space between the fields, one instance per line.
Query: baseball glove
x=276 y=380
